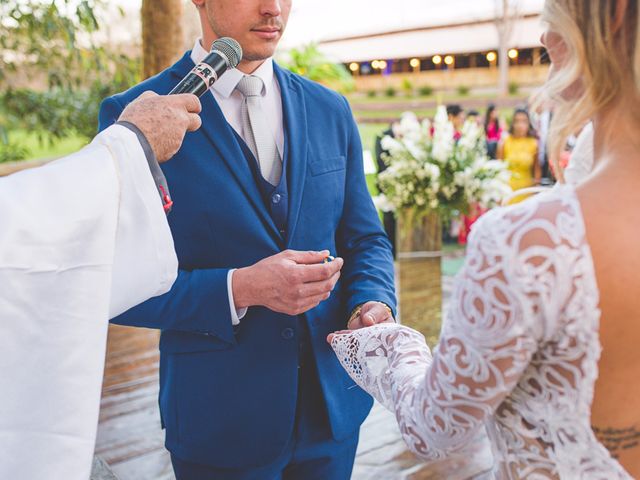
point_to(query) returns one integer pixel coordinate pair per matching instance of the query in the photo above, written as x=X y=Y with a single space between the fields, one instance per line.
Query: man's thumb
x=310 y=258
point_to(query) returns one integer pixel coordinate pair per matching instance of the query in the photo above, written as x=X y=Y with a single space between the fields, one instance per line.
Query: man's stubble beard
x=246 y=55
x=255 y=57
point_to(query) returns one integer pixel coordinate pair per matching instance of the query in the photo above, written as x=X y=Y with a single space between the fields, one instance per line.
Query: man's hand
x=164 y=120
x=371 y=314
x=290 y=282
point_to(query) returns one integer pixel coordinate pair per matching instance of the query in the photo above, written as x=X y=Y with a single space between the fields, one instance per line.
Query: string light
x=437 y=60
x=492 y=57
x=415 y=63
x=513 y=54
x=448 y=60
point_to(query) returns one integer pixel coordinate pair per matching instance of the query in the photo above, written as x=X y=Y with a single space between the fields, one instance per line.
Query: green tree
x=310 y=62
x=160 y=51
x=44 y=36
x=54 y=41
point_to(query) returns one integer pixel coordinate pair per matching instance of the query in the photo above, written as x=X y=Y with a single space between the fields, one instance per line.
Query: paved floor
x=131 y=442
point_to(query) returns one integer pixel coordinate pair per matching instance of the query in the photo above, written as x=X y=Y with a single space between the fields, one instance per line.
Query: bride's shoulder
x=532 y=250
x=550 y=219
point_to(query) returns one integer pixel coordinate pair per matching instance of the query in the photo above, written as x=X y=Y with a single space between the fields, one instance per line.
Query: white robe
x=82 y=240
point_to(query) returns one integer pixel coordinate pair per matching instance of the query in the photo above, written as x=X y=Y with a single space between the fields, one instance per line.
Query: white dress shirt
x=230 y=102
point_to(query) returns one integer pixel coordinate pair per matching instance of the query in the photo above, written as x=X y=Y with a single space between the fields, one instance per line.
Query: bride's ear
x=619 y=15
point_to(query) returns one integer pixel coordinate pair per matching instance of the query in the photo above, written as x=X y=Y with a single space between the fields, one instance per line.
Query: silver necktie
x=256 y=131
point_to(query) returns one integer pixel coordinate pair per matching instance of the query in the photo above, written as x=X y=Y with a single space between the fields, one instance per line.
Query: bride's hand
x=331 y=335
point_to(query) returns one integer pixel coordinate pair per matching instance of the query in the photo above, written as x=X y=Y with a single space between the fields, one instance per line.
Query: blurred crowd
x=518 y=138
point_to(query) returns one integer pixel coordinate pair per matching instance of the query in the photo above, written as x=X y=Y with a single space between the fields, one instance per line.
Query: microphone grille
x=230 y=48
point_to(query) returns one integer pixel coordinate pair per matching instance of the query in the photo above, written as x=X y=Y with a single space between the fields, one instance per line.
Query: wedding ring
x=329 y=259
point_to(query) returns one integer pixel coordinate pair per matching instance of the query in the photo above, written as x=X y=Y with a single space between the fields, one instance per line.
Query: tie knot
x=250 y=86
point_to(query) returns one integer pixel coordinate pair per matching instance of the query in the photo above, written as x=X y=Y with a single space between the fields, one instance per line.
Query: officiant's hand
x=290 y=282
x=164 y=120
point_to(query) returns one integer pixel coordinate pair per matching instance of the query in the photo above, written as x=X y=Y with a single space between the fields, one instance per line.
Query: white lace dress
x=518 y=352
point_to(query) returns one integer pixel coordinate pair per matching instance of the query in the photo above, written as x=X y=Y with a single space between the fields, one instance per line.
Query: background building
x=432 y=43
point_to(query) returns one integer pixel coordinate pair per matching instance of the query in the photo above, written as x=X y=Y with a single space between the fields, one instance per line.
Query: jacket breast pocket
x=323 y=165
x=323 y=198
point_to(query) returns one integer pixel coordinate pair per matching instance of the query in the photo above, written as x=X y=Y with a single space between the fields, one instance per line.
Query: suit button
x=276 y=198
x=287 y=333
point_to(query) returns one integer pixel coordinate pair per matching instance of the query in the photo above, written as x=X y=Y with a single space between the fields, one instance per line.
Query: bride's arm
x=486 y=343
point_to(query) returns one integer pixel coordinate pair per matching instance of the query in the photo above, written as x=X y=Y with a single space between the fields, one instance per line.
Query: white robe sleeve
x=81 y=239
x=145 y=263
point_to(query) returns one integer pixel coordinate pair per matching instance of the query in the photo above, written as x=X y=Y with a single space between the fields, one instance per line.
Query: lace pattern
x=517 y=355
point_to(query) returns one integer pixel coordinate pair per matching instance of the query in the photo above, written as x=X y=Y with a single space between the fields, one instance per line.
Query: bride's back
x=588 y=82
x=611 y=208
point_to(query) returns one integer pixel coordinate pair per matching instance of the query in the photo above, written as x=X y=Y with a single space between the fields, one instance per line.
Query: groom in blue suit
x=270 y=185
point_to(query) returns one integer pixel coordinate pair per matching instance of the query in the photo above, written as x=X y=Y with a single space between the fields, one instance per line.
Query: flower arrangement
x=429 y=171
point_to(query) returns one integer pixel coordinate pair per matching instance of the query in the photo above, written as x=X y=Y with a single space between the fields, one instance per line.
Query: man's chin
x=259 y=56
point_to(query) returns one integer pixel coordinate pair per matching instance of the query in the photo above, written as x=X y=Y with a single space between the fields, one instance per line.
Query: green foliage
x=463 y=90
x=514 y=88
x=425 y=91
x=44 y=36
x=62 y=111
x=407 y=87
x=309 y=62
x=53 y=40
x=390 y=92
x=11 y=152
x=372 y=94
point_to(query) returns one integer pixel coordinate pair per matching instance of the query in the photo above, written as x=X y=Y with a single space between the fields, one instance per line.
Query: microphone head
x=230 y=49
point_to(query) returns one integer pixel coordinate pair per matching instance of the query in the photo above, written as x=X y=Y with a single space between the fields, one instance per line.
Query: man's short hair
x=454 y=110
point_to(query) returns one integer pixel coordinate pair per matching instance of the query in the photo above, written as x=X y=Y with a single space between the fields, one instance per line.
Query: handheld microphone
x=225 y=53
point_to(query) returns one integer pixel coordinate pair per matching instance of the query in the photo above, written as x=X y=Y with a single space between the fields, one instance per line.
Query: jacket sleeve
x=368 y=271
x=198 y=302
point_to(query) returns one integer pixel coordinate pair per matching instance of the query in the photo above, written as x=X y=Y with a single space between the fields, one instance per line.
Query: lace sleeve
x=486 y=343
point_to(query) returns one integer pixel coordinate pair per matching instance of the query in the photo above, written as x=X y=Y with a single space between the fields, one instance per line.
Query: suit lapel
x=295 y=127
x=221 y=136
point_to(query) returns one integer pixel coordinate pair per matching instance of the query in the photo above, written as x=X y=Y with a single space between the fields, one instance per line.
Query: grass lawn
x=401 y=96
x=373 y=114
x=440 y=97
x=385 y=115
x=368 y=134
x=46 y=147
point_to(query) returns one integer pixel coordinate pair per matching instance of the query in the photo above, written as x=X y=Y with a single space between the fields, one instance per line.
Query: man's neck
x=248 y=67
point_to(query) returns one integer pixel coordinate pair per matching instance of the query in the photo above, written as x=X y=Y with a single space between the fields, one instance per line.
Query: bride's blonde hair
x=602 y=59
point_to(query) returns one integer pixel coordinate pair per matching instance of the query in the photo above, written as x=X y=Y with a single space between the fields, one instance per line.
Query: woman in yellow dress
x=520 y=150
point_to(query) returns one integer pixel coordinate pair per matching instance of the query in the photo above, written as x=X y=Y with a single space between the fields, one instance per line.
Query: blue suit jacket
x=228 y=395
